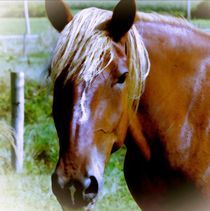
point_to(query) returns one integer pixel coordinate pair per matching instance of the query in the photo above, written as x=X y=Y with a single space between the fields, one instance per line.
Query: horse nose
x=92 y=188
x=75 y=193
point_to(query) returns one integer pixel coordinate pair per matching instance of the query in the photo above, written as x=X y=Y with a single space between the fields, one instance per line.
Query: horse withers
x=99 y=69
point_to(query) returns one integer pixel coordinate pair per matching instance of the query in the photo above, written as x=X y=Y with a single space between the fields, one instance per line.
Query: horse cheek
x=123 y=124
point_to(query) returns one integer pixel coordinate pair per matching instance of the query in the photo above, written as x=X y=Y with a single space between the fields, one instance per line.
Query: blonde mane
x=156 y=17
x=82 y=47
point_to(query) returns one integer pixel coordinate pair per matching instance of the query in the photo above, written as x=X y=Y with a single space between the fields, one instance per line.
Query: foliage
x=41 y=148
x=41 y=145
x=202 y=11
x=37 y=103
x=4 y=99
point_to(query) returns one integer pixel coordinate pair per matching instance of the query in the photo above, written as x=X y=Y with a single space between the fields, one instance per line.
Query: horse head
x=99 y=68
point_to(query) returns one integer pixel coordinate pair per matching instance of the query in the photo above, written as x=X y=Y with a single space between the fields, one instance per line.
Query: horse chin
x=89 y=207
x=80 y=203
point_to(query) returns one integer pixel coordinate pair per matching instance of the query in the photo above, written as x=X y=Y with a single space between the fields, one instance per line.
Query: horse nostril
x=93 y=186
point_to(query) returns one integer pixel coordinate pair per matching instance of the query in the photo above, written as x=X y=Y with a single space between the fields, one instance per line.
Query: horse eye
x=122 y=78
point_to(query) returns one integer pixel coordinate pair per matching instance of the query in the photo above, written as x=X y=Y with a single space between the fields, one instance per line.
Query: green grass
x=204 y=24
x=33 y=192
x=26 y=192
x=16 y=26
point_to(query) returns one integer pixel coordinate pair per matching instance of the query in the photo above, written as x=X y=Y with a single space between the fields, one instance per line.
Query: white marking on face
x=98 y=161
x=84 y=109
x=96 y=166
x=72 y=190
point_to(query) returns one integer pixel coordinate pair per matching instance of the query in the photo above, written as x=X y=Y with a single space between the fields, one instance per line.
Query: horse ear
x=58 y=13
x=122 y=19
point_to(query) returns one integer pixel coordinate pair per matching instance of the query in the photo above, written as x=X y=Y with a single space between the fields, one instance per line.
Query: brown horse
x=99 y=69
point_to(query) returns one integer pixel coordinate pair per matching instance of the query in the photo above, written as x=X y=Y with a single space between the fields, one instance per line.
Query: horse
x=147 y=86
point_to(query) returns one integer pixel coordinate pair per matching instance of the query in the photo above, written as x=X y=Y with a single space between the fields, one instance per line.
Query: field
x=31 y=190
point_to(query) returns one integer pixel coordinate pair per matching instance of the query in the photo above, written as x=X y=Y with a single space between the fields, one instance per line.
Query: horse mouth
x=86 y=203
x=71 y=198
x=76 y=195
x=79 y=207
x=80 y=201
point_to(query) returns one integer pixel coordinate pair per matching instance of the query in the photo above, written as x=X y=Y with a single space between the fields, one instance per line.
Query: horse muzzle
x=75 y=193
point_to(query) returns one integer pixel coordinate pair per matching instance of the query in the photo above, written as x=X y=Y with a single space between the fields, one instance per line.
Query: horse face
x=90 y=119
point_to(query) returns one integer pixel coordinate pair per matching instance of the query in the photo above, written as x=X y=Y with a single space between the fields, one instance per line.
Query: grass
x=34 y=67
x=16 y=26
x=33 y=192
x=26 y=192
x=201 y=23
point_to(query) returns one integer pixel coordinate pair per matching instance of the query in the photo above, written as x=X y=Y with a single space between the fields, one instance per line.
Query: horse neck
x=179 y=56
x=179 y=76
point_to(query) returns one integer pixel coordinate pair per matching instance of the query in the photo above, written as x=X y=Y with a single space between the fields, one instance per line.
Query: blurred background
x=27 y=41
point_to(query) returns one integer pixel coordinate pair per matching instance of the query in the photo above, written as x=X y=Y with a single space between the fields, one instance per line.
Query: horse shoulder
x=177 y=91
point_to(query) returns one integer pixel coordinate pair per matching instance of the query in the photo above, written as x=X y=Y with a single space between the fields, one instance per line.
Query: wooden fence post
x=27 y=20
x=27 y=27
x=17 y=102
x=188 y=9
